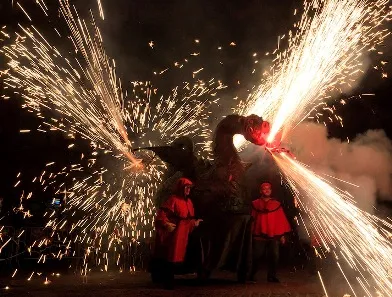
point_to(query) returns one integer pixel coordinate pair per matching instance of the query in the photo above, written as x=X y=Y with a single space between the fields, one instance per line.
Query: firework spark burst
x=113 y=203
x=353 y=236
x=48 y=80
x=324 y=54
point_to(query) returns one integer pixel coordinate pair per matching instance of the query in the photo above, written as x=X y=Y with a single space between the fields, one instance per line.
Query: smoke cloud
x=366 y=161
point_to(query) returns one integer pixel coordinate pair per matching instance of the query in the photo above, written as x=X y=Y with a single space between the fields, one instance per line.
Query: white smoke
x=366 y=161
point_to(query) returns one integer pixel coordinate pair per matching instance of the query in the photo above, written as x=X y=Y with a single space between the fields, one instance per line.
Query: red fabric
x=269 y=219
x=171 y=246
x=180 y=186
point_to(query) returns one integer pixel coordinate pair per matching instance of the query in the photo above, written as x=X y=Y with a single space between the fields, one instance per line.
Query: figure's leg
x=273 y=260
x=215 y=246
x=168 y=276
x=158 y=270
x=258 y=249
x=153 y=269
x=246 y=254
x=202 y=273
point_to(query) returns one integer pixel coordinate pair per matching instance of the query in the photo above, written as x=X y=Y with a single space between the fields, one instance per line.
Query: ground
x=114 y=284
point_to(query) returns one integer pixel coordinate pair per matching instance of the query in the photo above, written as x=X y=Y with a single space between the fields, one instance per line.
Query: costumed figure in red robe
x=269 y=227
x=174 y=222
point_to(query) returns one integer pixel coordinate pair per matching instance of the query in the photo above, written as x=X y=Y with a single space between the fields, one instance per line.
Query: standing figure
x=269 y=227
x=174 y=222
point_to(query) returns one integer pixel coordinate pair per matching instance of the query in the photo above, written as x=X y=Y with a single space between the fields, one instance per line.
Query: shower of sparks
x=185 y=112
x=48 y=80
x=110 y=206
x=356 y=237
x=324 y=54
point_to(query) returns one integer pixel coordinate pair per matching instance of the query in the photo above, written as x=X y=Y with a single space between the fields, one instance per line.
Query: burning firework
x=354 y=236
x=324 y=54
x=88 y=96
x=112 y=205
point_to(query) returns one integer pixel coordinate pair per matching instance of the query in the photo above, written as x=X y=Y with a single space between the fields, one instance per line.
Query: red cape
x=171 y=246
x=269 y=219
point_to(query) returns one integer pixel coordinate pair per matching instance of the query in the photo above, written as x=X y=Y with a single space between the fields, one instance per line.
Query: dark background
x=173 y=26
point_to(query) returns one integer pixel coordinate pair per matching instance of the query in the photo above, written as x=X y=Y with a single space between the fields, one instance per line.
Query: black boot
x=168 y=286
x=155 y=268
x=273 y=279
x=241 y=277
x=203 y=275
x=252 y=279
x=252 y=275
x=168 y=283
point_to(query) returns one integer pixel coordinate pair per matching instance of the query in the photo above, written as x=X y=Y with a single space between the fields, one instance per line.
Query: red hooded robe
x=171 y=246
x=269 y=219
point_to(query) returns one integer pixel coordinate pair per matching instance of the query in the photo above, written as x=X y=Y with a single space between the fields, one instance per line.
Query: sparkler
x=174 y=115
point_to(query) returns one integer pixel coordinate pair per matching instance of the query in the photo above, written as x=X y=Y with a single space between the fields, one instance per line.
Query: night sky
x=173 y=26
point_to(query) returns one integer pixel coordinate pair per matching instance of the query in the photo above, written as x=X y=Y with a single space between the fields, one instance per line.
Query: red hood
x=180 y=186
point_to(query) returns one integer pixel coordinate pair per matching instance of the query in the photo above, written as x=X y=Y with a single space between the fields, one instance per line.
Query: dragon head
x=179 y=155
x=184 y=145
x=256 y=130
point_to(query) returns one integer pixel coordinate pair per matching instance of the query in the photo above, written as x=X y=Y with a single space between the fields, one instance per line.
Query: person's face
x=266 y=190
x=187 y=190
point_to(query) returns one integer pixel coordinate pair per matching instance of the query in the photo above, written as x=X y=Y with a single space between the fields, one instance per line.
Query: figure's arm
x=285 y=225
x=253 y=212
x=282 y=224
x=193 y=222
x=285 y=221
x=162 y=219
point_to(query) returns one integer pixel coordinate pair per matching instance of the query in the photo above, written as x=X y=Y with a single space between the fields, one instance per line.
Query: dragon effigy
x=219 y=194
